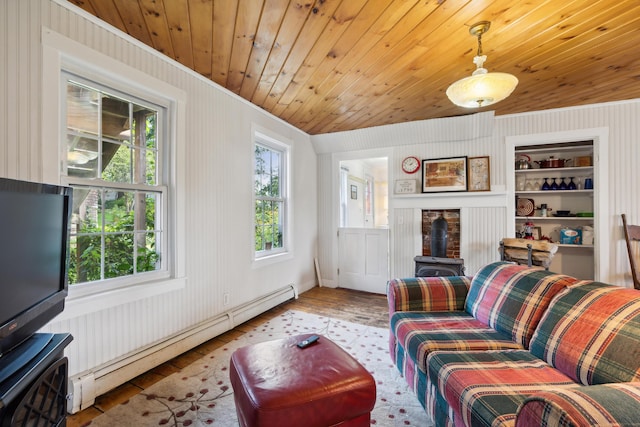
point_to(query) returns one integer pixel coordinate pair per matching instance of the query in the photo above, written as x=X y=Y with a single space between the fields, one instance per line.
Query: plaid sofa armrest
x=427 y=293
x=607 y=404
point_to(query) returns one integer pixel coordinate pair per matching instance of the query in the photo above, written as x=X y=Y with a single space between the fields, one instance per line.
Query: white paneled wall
x=217 y=200
x=406 y=226
x=327 y=218
x=484 y=228
x=485 y=223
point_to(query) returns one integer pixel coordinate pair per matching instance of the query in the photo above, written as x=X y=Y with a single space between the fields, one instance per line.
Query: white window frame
x=160 y=187
x=61 y=54
x=277 y=143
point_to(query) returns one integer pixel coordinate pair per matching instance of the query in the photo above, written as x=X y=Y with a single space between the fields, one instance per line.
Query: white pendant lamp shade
x=481 y=88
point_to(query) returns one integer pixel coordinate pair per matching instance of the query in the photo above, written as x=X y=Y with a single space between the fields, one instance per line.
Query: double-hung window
x=270 y=195
x=113 y=160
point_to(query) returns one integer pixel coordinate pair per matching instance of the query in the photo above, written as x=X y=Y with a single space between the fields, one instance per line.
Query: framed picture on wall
x=447 y=174
x=479 y=173
x=354 y=192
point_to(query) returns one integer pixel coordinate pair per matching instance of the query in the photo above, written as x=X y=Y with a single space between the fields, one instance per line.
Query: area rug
x=201 y=394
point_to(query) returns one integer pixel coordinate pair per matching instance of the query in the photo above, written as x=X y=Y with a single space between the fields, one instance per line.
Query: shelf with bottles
x=550 y=184
x=580 y=219
x=570 y=163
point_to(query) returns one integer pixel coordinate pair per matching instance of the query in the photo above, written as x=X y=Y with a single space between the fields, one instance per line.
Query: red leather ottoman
x=275 y=383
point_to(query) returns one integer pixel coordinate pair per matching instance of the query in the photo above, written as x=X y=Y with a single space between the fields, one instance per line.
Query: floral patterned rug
x=201 y=394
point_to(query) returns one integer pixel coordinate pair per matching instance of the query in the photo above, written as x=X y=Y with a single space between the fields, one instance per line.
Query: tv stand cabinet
x=35 y=393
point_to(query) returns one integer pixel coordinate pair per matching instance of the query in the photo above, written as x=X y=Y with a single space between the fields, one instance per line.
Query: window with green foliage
x=113 y=164
x=270 y=198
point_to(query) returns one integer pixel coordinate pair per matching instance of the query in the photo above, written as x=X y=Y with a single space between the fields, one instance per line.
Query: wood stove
x=429 y=266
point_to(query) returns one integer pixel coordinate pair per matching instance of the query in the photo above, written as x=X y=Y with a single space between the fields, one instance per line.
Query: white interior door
x=363 y=259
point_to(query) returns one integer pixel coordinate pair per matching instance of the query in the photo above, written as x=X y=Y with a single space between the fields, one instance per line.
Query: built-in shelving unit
x=572 y=159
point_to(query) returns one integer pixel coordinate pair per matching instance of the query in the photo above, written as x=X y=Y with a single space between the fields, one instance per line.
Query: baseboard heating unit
x=85 y=387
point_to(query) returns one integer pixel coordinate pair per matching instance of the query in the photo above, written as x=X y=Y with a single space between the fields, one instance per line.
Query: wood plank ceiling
x=335 y=65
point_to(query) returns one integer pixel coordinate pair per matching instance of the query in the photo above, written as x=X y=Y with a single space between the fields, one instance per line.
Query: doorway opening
x=363 y=234
x=364 y=194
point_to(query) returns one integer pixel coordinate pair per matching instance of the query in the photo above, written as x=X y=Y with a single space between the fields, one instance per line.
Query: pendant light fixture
x=481 y=88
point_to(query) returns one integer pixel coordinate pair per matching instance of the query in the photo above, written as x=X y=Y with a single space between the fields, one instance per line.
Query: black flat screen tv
x=34 y=251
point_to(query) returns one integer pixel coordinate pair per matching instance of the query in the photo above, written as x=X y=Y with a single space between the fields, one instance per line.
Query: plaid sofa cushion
x=421 y=333
x=485 y=388
x=591 y=333
x=512 y=298
x=427 y=293
x=425 y=391
x=610 y=405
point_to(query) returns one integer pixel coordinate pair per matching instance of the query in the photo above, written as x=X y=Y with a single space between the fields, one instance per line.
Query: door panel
x=363 y=259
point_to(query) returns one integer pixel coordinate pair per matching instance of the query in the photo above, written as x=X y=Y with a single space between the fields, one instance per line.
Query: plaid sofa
x=518 y=346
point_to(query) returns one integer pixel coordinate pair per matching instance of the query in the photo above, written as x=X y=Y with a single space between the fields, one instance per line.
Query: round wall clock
x=410 y=164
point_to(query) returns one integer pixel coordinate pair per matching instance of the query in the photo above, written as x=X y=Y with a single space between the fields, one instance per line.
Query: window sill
x=271 y=259
x=87 y=304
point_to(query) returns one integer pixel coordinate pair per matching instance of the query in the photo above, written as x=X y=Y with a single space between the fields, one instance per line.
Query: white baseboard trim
x=329 y=283
x=86 y=386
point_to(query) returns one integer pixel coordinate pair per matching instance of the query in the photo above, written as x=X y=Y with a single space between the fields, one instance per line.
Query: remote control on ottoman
x=305 y=380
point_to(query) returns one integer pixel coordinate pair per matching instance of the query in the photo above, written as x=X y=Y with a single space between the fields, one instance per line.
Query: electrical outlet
x=225 y=298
